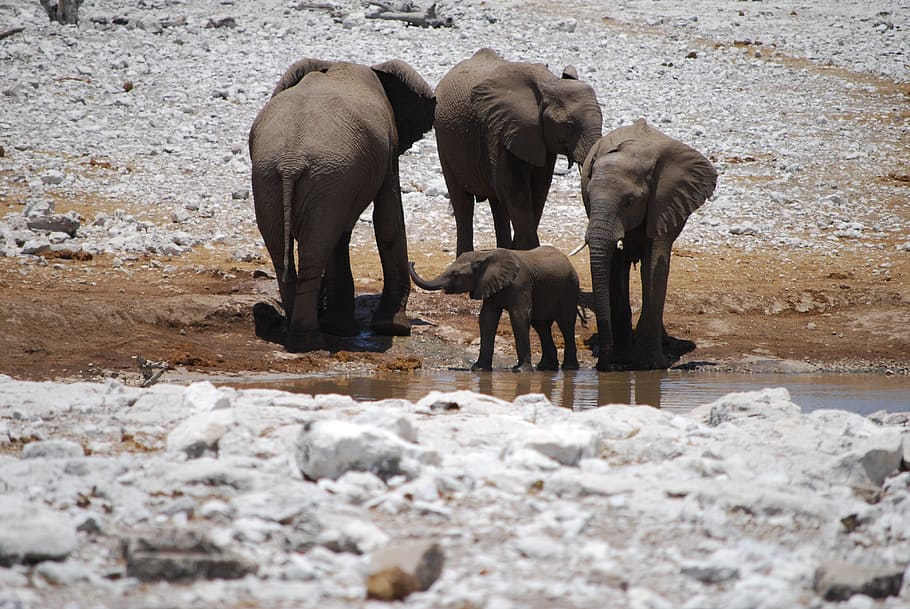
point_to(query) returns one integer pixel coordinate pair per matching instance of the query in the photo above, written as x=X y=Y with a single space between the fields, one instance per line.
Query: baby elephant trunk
x=435 y=284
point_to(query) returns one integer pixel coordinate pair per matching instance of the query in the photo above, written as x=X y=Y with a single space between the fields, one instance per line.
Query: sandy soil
x=79 y=319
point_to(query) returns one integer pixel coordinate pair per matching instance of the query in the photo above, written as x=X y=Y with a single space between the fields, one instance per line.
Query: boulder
x=397 y=571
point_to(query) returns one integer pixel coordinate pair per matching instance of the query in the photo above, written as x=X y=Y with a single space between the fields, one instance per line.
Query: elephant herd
x=327 y=144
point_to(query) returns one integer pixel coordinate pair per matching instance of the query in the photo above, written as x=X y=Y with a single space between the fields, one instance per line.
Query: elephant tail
x=582 y=315
x=287 y=199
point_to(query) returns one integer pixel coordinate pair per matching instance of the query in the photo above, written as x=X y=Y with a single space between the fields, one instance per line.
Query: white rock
x=203 y=397
x=201 y=432
x=30 y=532
x=328 y=449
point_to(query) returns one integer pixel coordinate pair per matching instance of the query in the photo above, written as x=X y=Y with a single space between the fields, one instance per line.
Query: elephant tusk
x=619 y=244
x=578 y=249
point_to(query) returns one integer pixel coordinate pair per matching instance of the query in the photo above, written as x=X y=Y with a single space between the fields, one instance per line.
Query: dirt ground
x=200 y=315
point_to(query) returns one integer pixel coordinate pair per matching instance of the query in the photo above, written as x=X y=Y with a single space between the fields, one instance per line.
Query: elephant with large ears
x=499 y=127
x=536 y=287
x=639 y=187
x=324 y=146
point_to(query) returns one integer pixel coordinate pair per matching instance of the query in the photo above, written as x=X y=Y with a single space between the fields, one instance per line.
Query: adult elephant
x=639 y=187
x=324 y=146
x=499 y=127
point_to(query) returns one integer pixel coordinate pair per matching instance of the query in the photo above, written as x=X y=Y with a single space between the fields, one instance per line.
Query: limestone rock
x=52 y=449
x=838 y=581
x=397 y=571
x=31 y=533
x=181 y=556
x=328 y=449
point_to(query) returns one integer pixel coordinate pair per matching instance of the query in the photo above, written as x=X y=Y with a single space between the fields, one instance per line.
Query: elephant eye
x=628 y=201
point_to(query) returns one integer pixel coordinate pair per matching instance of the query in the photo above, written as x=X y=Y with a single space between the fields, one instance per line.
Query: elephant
x=639 y=187
x=499 y=128
x=536 y=287
x=322 y=148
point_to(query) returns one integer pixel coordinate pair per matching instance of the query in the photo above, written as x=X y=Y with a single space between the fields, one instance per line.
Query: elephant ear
x=412 y=100
x=684 y=181
x=298 y=70
x=494 y=270
x=507 y=101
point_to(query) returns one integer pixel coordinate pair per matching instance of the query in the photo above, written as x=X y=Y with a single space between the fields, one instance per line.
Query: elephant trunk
x=433 y=285
x=584 y=145
x=605 y=243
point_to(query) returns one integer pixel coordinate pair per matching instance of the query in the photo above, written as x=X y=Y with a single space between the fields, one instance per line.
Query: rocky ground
x=127 y=234
x=129 y=228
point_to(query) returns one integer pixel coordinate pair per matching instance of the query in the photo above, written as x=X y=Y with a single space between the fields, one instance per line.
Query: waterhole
x=676 y=391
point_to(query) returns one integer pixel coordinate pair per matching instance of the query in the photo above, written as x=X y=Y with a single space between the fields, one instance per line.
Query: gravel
x=140 y=115
x=457 y=500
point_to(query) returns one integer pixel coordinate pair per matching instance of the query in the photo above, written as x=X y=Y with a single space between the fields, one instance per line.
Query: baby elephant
x=536 y=287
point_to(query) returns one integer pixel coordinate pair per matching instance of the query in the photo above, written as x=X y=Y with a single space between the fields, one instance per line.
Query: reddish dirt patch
x=83 y=319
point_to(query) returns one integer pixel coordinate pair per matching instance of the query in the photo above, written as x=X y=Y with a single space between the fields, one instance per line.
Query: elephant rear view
x=639 y=187
x=499 y=127
x=324 y=147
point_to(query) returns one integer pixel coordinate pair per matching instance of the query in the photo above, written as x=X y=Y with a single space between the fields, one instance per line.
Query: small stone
x=52 y=449
x=53 y=177
x=181 y=556
x=397 y=571
x=30 y=533
x=240 y=195
x=221 y=22
x=838 y=581
x=328 y=449
x=59 y=223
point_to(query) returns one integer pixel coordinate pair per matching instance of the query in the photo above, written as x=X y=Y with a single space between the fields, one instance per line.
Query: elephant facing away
x=536 y=287
x=324 y=146
x=639 y=187
x=499 y=127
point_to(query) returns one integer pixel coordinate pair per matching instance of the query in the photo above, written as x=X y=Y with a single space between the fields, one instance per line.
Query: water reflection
x=574 y=389
x=672 y=390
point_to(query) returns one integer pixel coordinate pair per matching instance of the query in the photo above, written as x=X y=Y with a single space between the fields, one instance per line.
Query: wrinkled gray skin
x=638 y=186
x=324 y=147
x=499 y=126
x=536 y=287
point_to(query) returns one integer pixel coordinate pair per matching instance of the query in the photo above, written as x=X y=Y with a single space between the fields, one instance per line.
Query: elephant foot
x=399 y=325
x=339 y=327
x=677 y=346
x=309 y=340
x=523 y=367
x=570 y=364
x=479 y=366
x=547 y=365
x=649 y=359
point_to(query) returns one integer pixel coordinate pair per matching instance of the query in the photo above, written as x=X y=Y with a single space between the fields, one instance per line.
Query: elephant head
x=479 y=273
x=638 y=185
x=536 y=114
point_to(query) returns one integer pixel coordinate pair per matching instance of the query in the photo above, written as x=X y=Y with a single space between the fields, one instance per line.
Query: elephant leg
x=514 y=190
x=549 y=359
x=620 y=309
x=391 y=317
x=336 y=315
x=267 y=194
x=541 y=178
x=463 y=208
x=521 y=329
x=489 y=322
x=501 y=224
x=566 y=323
x=655 y=271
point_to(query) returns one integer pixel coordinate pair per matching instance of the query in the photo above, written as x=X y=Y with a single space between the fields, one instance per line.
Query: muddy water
x=672 y=390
